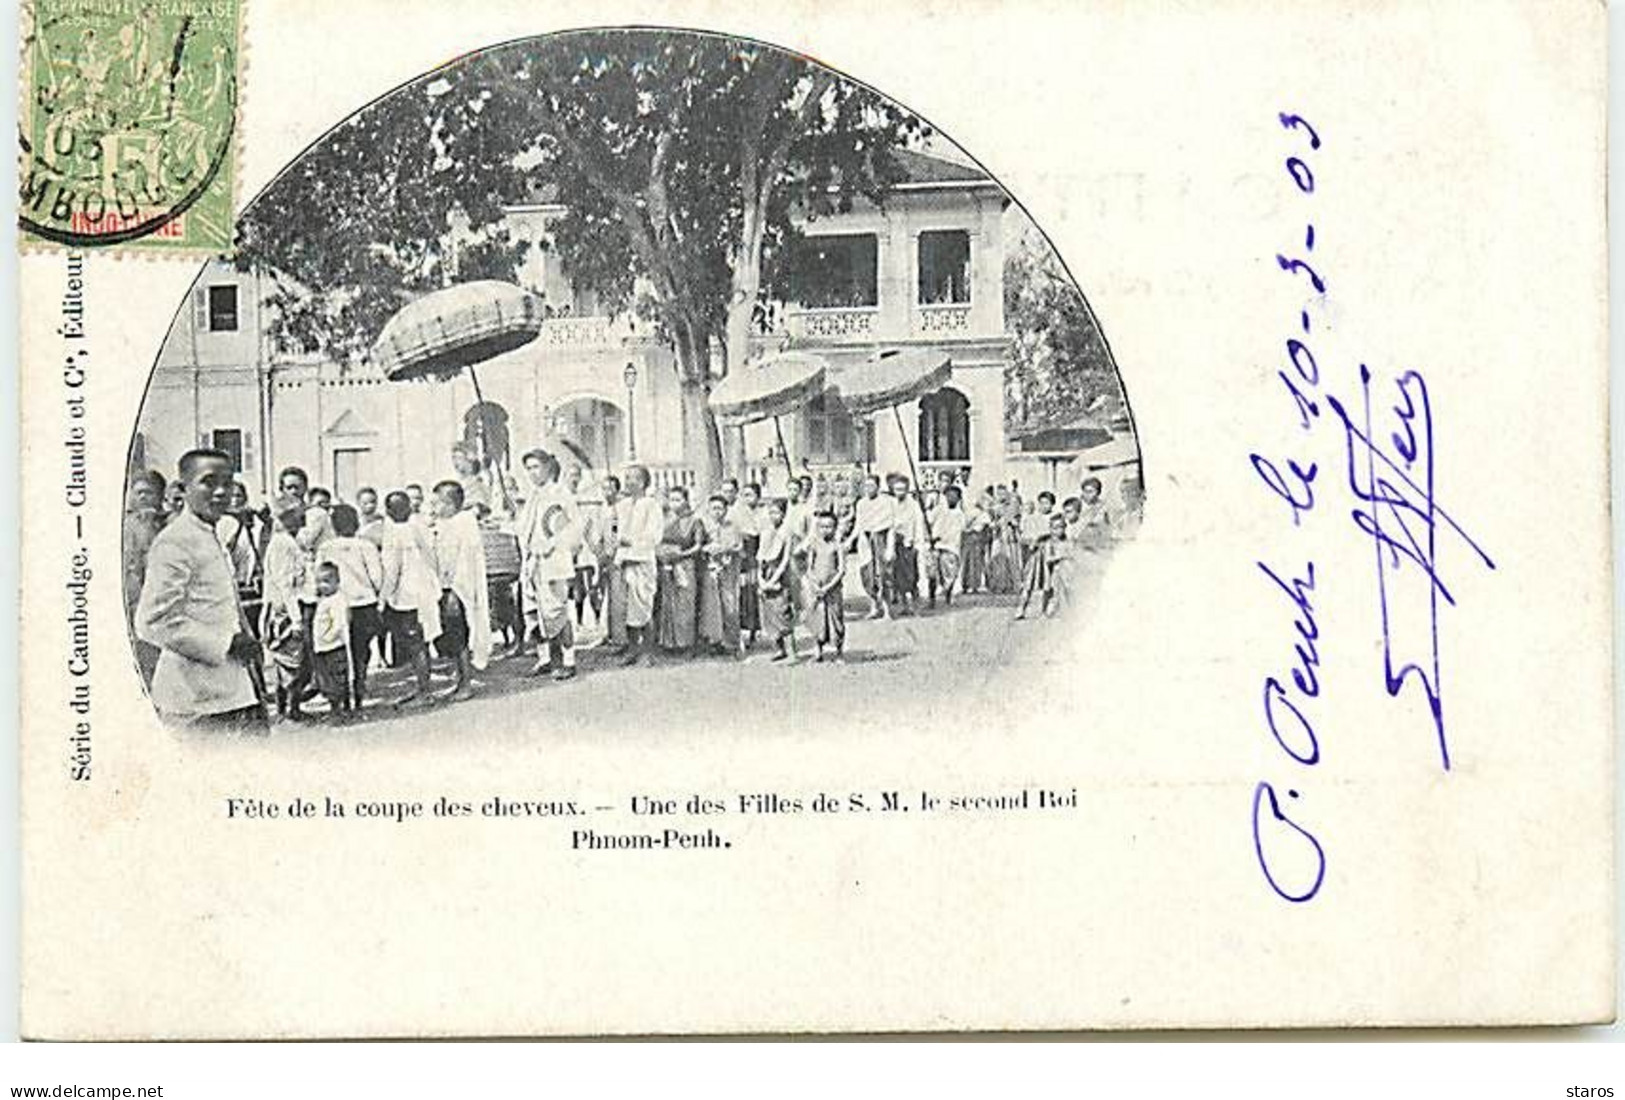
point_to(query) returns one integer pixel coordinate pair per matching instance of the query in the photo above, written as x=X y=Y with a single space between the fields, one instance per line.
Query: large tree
x=1061 y=367
x=679 y=157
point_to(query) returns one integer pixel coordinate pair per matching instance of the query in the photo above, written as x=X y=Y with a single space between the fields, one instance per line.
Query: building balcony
x=876 y=324
x=857 y=325
x=942 y=320
x=578 y=332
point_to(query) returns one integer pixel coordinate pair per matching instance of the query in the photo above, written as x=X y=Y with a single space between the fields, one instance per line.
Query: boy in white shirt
x=410 y=593
x=330 y=643
x=361 y=576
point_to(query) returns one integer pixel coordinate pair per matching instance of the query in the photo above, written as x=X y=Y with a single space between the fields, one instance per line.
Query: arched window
x=595 y=426
x=945 y=427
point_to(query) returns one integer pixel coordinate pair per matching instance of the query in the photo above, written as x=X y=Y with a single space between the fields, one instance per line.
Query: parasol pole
x=789 y=470
x=914 y=476
x=485 y=444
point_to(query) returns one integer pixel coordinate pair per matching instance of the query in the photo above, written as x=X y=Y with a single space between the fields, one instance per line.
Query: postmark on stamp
x=128 y=123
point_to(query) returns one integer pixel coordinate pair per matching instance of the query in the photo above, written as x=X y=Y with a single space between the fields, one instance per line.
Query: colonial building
x=925 y=270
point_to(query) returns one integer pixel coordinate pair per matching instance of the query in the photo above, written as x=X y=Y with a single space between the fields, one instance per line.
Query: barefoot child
x=1035 y=534
x=1060 y=557
x=826 y=574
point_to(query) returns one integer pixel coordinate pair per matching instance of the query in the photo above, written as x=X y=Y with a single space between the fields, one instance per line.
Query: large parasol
x=774 y=386
x=889 y=379
x=448 y=331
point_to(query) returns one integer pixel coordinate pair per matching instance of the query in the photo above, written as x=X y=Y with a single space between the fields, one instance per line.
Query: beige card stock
x=1321 y=736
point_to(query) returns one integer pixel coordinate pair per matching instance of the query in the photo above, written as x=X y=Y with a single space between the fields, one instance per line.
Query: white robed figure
x=460 y=552
x=550 y=531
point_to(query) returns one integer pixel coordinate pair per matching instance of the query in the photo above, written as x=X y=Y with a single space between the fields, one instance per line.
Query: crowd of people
x=237 y=611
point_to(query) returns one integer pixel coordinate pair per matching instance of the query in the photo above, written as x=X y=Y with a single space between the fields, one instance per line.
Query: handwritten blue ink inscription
x=1391 y=478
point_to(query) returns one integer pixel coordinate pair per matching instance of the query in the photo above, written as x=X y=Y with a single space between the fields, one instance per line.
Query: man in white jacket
x=189 y=609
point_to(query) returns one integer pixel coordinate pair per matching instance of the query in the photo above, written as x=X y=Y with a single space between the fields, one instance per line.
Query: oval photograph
x=610 y=372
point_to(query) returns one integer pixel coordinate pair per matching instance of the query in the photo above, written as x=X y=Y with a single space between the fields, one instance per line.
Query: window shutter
x=200 y=309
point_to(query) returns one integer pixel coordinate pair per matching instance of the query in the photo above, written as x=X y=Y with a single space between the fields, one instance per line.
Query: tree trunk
x=702 y=443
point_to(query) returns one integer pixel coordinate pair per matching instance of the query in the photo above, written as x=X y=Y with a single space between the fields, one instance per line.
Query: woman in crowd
x=1004 y=548
x=975 y=542
x=677 y=603
x=746 y=516
x=719 y=573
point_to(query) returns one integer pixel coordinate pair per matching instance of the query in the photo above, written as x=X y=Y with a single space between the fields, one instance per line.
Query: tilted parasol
x=769 y=389
x=447 y=331
x=891 y=378
x=441 y=333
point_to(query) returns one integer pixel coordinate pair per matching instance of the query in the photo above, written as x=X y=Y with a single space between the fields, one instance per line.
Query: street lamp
x=630 y=376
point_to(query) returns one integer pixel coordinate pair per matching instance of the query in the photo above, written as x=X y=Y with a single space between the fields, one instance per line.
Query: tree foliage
x=1062 y=368
x=678 y=156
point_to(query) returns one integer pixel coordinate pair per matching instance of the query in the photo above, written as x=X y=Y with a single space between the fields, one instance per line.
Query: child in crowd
x=1035 y=533
x=410 y=593
x=361 y=577
x=1071 y=511
x=1060 y=554
x=330 y=643
x=368 y=516
x=282 y=621
x=1091 y=525
x=826 y=574
x=553 y=555
x=775 y=578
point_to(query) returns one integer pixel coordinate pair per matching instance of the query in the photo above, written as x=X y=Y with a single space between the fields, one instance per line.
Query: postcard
x=629 y=519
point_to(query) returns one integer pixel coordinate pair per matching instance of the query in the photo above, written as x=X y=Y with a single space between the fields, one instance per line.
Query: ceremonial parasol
x=889 y=379
x=556 y=445
x=445 y=332
x=774 y=386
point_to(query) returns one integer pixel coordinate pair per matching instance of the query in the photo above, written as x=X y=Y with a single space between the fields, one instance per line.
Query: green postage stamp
x=128 y=123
